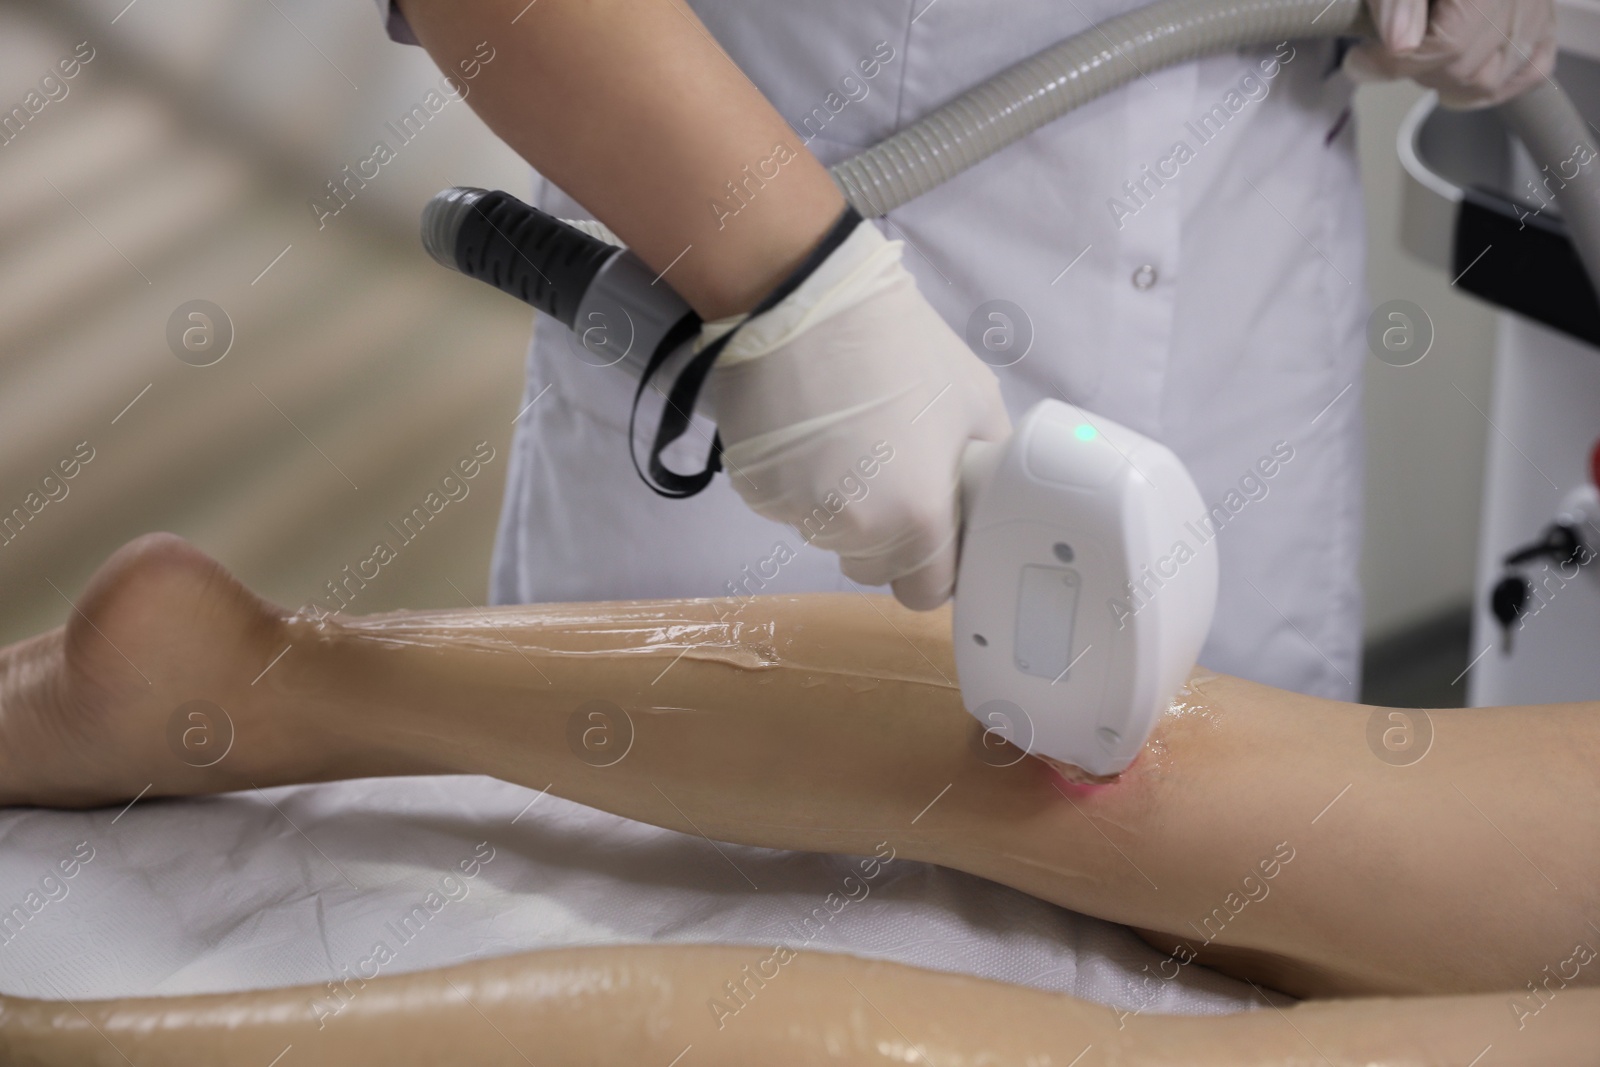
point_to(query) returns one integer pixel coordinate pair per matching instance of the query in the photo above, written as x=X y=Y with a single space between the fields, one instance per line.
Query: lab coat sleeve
x=395 y=21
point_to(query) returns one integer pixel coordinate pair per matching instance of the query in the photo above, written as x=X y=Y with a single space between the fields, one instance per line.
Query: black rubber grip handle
x=527 y=254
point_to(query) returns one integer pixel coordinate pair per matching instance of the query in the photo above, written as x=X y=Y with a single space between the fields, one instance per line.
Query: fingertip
x=1406 y=26
x=928 y=588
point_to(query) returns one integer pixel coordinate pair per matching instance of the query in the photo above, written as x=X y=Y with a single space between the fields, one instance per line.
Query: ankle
x=328 y=706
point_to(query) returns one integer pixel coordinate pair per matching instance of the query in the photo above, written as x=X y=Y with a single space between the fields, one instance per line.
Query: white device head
x=1086 y=586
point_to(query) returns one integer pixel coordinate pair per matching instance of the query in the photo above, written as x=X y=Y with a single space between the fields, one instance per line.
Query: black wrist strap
x=685 y=389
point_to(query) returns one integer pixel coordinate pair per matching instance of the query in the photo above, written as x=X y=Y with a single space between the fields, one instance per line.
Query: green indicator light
x=1084 y=432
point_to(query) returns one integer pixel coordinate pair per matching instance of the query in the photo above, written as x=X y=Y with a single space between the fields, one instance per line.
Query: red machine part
x=1594 y=465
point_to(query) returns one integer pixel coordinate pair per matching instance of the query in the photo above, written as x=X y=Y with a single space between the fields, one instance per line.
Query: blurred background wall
x=179 y=166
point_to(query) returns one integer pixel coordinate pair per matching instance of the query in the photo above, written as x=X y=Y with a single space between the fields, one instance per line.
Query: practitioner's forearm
x=1255 y=820
x=632 y=108
x=733 y=1006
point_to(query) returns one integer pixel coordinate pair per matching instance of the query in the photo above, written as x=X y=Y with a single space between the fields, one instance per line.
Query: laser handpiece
x=1082 y=595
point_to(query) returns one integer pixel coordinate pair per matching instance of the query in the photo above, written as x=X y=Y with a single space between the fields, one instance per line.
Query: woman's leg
x=1258 y=832
x=665 y=1005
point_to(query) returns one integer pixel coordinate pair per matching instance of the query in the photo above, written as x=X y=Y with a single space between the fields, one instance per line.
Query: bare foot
x=146 y=688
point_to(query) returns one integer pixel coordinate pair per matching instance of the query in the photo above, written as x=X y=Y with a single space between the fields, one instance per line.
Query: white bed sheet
x=298 y=885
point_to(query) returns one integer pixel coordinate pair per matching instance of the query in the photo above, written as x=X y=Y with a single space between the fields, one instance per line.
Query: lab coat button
x=1145 y=277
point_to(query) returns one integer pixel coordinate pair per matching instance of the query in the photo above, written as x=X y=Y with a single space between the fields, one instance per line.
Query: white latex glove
x=844 y=411
x=1476 y=53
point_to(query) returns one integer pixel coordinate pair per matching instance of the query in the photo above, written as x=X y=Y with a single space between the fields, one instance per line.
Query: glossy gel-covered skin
x=832 y=723
x=649 y=1004
x=1260 y=832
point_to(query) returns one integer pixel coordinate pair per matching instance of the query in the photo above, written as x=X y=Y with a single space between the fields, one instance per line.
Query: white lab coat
x=1220 y=311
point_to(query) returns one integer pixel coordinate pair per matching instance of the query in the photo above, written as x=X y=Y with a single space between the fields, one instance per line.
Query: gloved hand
x=1476 y=53
x=844 y=411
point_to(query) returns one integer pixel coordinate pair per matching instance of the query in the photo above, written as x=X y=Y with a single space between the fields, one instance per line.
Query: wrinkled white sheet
x=291 y=885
